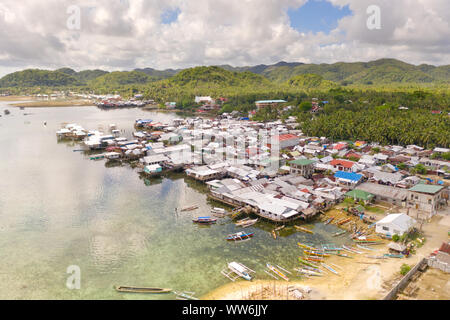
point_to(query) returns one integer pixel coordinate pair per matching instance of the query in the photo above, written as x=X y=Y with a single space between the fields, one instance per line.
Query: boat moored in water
x=240 y=236
x=204 y=220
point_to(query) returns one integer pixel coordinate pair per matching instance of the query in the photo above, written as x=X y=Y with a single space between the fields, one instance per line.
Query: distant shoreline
x=54 y=104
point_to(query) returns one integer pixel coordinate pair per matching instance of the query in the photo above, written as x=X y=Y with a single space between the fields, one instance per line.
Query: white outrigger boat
x=246 y=223
x=219 y=211
x=239 y=271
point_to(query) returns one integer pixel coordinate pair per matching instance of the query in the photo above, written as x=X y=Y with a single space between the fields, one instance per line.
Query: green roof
x=302 y=162
x=359 y=194
x=426 y=188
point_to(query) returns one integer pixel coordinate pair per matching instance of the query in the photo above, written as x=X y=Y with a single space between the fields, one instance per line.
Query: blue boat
x=240 y=236
x=204 y=220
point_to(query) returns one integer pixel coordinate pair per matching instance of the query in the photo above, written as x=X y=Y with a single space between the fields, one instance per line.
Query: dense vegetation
x=386 y=126
x=36 y=77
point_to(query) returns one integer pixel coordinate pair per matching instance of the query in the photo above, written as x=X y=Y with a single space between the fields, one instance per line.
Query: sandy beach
x=360 y=278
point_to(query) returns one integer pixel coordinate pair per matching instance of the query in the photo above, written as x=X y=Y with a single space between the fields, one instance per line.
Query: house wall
x=425 y=202
x=388 y=229
x=305 y=171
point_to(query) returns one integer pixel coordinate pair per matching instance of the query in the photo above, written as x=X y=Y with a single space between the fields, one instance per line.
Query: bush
x=404 y=269
x=395 y=237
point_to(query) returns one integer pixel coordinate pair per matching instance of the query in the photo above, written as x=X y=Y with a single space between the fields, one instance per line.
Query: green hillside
x=310 y=81
x=201 y=77
x=383 y=71
x=120 y=78
x=36 y=78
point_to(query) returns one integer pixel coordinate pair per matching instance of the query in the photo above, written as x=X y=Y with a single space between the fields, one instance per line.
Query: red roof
x=353 y=154
x=342 y=163
x=284 y=137
x=340 y=146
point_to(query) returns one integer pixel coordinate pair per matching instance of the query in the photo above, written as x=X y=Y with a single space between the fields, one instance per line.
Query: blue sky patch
x=317 y=15
x=170 y=16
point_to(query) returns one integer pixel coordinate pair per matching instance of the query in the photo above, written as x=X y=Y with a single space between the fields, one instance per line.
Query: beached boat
x=351 y=250
x=240 y=236
x=376 y=257
x=305 y=246
x=313 y=258
x=274 y=234
x=141 y=289
x=340 y=223
x=365 y=248
x=316 y=253
x=307 y=263
x=309 y=272
x=277 y=272
x=344 y=255
x=204 y=220
x=390 y=255
x=304 y=229
x=239 y=269
x=339 y=233
x=329 y=220
x=329 y=268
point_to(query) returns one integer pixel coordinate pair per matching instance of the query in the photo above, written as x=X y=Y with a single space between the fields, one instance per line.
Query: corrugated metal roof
x=426 y=188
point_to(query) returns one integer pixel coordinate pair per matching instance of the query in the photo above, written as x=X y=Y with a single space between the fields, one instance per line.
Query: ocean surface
x=60 y=209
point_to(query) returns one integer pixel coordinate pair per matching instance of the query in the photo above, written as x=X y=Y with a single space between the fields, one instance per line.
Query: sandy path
x=363 y=278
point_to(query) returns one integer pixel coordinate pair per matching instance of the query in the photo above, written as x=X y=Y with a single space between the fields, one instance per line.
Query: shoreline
x=361 y=278
x=53 y=104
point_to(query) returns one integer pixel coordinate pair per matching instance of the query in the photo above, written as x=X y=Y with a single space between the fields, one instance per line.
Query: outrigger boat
x=277 y=272
x=365 y=248
x=329 y=220
x=390 y=255
x=204 y=220
x=344 y=221
x=309 y=272
x=316 y=253
x=246 y=223
x=304 y=229
x=351 y=250
x=329 y=268
x=141 y=289
x=239 y=236
x=274 y=234
x=190 y=208
x=219 y=211
x=340 y=233
x=239 y=269
x=305 y=246
x=307 y=263
x=376 y=257
x=313 y=258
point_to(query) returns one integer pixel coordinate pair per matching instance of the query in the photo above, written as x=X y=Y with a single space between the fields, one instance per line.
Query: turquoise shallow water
x=58 y=208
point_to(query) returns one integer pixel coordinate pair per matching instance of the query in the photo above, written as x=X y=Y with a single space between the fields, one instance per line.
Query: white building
x=396 y=223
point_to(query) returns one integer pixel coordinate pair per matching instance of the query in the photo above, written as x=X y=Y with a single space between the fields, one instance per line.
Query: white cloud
x=124 y=34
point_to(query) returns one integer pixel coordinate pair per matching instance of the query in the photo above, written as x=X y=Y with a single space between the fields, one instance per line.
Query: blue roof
x=348 y=175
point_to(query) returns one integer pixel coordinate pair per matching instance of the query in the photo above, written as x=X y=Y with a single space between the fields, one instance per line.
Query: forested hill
x=383 y=72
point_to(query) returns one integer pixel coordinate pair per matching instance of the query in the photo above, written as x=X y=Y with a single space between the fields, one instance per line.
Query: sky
x=128 y=34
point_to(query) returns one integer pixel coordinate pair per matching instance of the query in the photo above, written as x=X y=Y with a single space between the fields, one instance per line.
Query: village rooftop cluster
x=273 y=168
